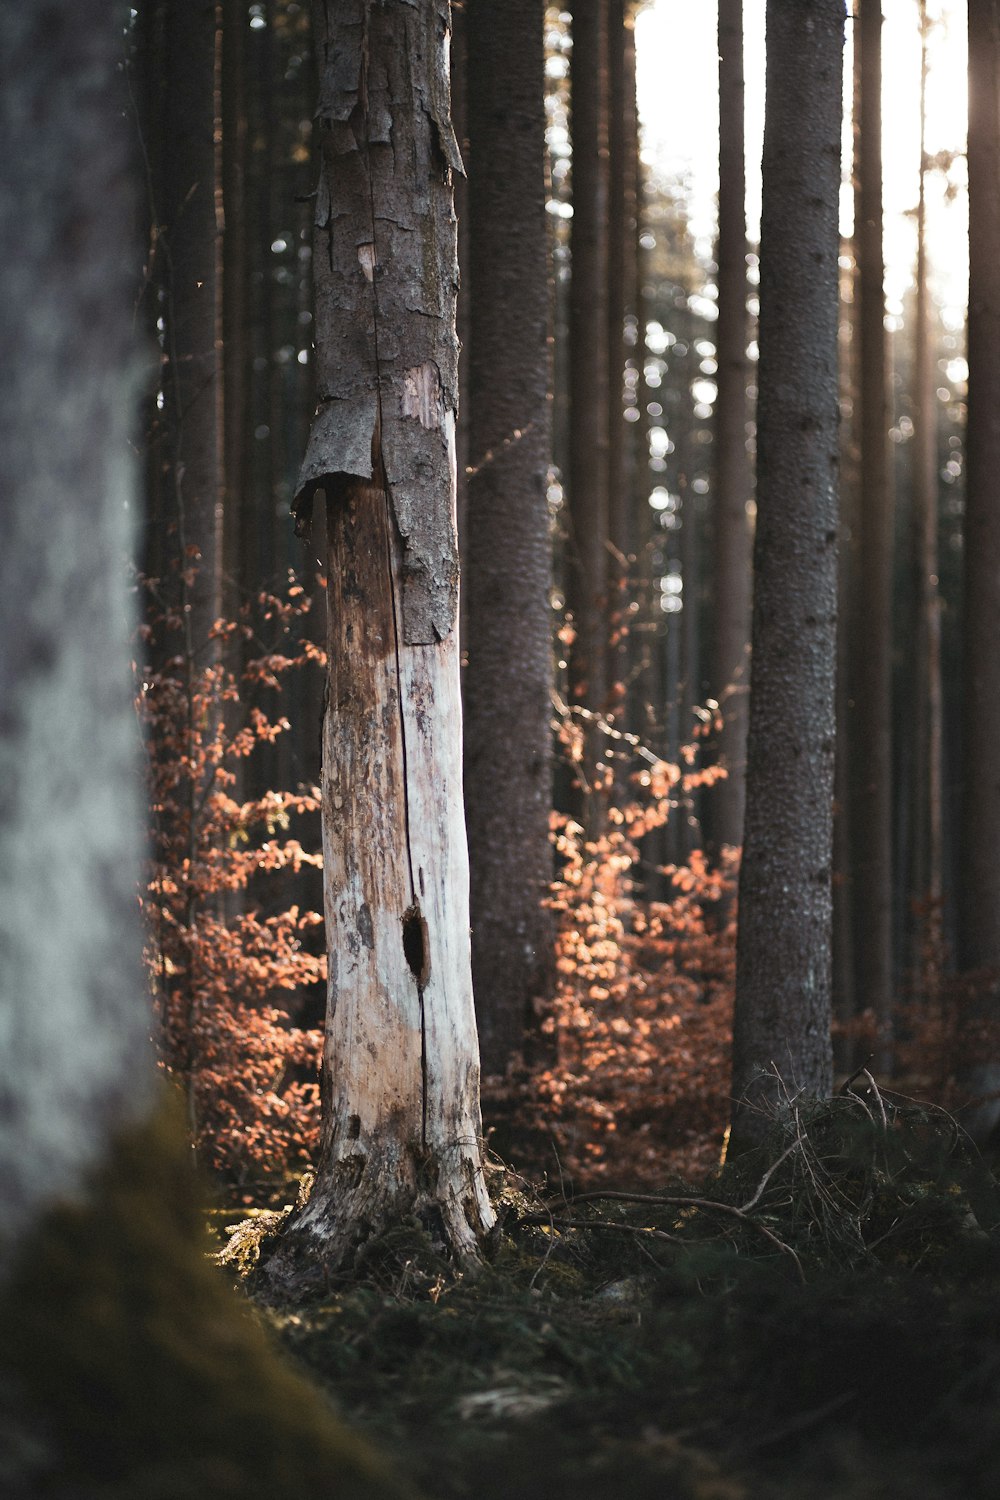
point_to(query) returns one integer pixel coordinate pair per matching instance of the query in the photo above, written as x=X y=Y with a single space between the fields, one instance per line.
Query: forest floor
x=820 y=1319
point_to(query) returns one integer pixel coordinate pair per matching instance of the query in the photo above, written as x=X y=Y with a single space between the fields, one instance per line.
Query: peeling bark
x=385 y=208
x=401 y=1130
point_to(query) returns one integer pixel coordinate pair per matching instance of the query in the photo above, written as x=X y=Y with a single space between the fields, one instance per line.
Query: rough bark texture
x=400 y=1076
x=508 y=560
x=979 y=886
x=782 y=1017
x=872 y=753
x=588 y=355
x=73 y=1027
x=733 y=540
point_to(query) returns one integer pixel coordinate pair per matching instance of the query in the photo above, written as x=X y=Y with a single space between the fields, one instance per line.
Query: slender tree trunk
x=508 y=573
x=733 y=543
x=843 y=876
x=979 y=886
x=689 y=687
x=782 y=1019
x=621 y=232
x=926 y=839
x=400 y=1079
x=192 y=235
x=588 y=354
x=235 y=302
x=873 y=749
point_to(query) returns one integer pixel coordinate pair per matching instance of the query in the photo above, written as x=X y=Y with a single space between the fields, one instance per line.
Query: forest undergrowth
x=819 y=1318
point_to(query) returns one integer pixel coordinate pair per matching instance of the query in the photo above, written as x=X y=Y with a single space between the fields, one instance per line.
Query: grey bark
x=979 y=882
x=190 y=257
x=782 y=1019
x=235 y=309
x=74 y=1055
x=732 y=539
x=872 y=752
x=587 y=471
x=508 y=550
x=400 y=1079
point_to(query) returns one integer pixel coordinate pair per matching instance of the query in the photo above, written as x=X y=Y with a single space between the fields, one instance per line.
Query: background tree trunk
x=782 y=1019
x=622 y=149
x=926 y=831
x=508 y=560
x=979 y=881
x=400 y=1080
x=872 y=755
x=587 y=474
x=191 y=269
x=732 y=540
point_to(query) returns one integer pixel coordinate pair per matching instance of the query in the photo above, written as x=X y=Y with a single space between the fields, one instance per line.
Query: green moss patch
x=128 y=1368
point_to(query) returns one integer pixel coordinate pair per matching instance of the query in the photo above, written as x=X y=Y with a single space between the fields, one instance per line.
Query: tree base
x=340 y=1231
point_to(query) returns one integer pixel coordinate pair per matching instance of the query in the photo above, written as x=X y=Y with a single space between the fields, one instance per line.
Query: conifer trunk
x=732 y=540
x=191 y=266
x=979 y=883
x=508 y=557
x=588 y=356
x=872 y=756
x=782 y=1018
x=926 y=836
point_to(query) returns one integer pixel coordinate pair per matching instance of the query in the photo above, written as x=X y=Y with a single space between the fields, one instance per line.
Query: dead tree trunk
x=401 y=1130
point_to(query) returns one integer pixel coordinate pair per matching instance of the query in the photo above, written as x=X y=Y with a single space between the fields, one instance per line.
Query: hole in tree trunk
x=415 y=944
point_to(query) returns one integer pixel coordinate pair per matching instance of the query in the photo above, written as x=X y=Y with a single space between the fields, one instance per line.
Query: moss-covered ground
x=820 y=1319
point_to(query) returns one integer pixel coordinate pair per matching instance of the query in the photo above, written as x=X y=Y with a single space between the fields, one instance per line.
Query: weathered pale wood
x=401 y=1066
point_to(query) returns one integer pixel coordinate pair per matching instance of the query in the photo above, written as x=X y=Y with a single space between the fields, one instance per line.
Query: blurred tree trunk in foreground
x=126 y=1366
